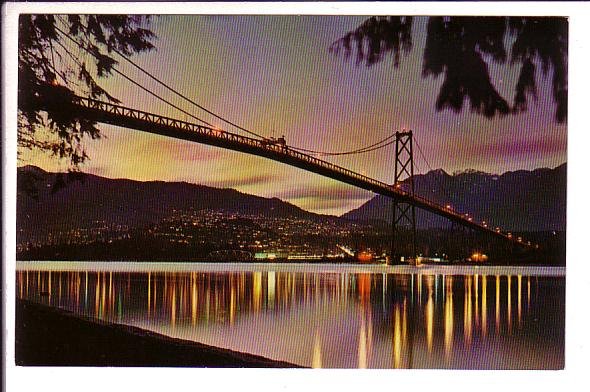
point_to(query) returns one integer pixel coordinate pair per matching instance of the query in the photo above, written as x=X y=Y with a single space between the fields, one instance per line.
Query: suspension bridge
x=122 y=116
x=58 y=99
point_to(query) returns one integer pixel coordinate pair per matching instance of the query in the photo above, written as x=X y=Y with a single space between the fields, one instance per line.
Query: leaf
x=454 y=48
x=37 y=37
x=459 y=48
x=525 y=86
x=376 y=37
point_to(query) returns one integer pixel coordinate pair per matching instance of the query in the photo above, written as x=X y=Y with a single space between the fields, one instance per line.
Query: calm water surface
x=326 y=315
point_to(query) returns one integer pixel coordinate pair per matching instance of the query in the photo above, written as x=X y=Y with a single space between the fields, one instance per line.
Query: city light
x=365 y=257
x=479 y=257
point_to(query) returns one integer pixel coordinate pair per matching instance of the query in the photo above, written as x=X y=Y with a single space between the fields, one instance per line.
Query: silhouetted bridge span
x=122 y=116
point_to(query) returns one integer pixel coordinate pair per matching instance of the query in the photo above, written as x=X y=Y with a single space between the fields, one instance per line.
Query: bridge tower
x=403 y=213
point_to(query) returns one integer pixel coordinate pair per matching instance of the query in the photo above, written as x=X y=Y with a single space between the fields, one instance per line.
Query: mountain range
x=517 y=201
x=53 y=201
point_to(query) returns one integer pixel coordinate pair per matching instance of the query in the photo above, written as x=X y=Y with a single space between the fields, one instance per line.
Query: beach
x=47 y=336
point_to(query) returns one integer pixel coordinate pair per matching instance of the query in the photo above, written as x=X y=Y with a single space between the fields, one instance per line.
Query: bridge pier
x=403 y=212
x=462 y=243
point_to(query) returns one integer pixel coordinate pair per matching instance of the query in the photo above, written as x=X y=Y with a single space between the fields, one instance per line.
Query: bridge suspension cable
x=125 y=76
x=369 y=148
x=164 y=84
x=372 y=147
x=438 y=182
x=185 y=97
x=375 y=146
x=422 y=154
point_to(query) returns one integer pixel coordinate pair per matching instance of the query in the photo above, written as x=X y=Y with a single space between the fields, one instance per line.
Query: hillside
x=86 y=200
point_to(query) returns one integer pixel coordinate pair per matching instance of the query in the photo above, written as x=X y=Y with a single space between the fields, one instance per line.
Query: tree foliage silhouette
x=45 y=59
x=460 y=48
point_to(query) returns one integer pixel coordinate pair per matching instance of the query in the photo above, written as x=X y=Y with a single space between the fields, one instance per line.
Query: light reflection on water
x=330 y=319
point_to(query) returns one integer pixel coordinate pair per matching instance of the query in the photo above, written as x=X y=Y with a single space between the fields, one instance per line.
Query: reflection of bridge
x=122 y=116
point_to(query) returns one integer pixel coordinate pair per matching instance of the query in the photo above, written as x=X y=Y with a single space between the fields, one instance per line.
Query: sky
x=275 y=76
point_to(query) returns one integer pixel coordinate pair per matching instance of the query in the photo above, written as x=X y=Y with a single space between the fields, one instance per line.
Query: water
x=327 y=316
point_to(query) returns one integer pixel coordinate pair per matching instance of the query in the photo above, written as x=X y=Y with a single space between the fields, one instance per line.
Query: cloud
x=184 y=151
x=527 y=147
x=332 y=191
x=332 y=198
x=241 y=181
x=98 y=170
x=327 y=206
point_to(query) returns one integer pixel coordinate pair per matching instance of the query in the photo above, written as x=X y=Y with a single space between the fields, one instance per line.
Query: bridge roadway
x=118 y=115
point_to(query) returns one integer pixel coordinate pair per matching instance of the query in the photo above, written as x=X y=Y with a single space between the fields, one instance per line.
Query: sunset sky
x=275 y=76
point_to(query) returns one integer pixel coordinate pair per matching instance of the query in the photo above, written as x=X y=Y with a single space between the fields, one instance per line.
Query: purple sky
x=275 y=73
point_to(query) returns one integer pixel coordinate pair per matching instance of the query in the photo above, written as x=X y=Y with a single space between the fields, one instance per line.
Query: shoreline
x=180 y=267
x=47 y=336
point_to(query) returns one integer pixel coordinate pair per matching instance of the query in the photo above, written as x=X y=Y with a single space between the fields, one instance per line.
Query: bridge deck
x=153 y=123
